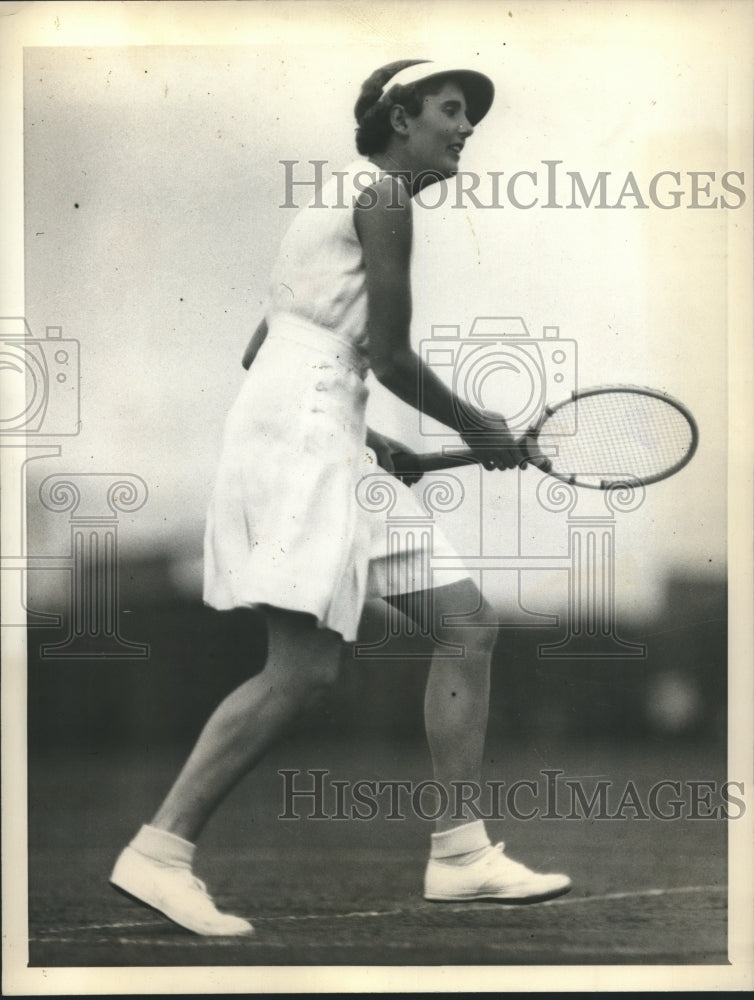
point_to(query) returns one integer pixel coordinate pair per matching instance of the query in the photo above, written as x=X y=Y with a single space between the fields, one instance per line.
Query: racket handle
x=435 y=461
x=432 y=461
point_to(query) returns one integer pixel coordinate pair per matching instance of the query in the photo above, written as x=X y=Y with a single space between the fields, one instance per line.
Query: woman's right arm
x=384 y=226
x=254 y=344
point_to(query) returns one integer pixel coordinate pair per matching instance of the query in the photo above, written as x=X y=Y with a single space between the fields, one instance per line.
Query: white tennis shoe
x=175 y=892
x=492 y=876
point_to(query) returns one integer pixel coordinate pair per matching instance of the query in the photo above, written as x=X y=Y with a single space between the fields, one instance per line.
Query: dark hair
x=373 y=116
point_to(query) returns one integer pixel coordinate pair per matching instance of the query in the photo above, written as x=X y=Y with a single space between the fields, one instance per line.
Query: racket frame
x=528 y=445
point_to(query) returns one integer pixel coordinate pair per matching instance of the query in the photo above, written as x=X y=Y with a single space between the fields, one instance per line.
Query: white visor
x=478 y=88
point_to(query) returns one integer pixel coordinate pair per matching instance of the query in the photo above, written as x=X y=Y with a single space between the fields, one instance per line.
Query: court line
x=477 y=905
x=480 y=905
x=636 y=894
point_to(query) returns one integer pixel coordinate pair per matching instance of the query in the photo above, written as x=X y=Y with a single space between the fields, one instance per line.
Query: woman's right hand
x=489 y=437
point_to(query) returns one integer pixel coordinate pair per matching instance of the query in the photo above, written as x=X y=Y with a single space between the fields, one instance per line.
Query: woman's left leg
x=463 y=864
x=456 y=701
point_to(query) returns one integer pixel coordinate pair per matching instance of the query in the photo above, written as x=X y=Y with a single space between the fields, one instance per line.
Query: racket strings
x=619 y=435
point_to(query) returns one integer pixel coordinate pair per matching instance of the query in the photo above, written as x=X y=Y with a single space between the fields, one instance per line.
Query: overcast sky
x=153 y=187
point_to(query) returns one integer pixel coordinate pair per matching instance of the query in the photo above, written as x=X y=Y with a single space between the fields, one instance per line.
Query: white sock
x=165 y=847
x=461 y=845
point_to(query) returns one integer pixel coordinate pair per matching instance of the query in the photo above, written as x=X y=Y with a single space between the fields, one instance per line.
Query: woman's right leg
x=302 y=661
x=156 y=867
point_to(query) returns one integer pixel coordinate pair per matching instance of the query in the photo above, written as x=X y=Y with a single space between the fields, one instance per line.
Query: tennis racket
x=599 y=438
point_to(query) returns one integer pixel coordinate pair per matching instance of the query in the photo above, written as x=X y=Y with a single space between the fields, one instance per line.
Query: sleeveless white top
x=319 y=274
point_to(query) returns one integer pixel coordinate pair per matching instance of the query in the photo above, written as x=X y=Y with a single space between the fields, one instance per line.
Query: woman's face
x=437 y=135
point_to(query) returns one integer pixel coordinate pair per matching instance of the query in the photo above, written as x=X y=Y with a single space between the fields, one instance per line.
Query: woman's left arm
x=254 y=344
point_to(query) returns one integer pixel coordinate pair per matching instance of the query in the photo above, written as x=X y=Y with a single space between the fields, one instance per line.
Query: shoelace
x=514 y=865
x=196 y=883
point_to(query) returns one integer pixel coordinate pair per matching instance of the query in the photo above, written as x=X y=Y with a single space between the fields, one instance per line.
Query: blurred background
x=676 y=692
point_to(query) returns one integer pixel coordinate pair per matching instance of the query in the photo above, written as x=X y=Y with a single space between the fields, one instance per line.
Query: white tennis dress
x=288 y=524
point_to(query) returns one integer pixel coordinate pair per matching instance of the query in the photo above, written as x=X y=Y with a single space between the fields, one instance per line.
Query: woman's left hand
x=384 y=448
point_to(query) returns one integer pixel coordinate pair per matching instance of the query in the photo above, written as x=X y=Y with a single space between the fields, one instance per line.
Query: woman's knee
x=302 y=658
x=465 y=617
x=320 y=673
x=302 y=680
x=456 y=613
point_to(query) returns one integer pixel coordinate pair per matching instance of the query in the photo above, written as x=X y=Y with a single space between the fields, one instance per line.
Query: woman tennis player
x=285 y=532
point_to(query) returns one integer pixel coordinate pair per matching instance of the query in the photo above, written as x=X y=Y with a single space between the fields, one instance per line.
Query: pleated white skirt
x=297 y=517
